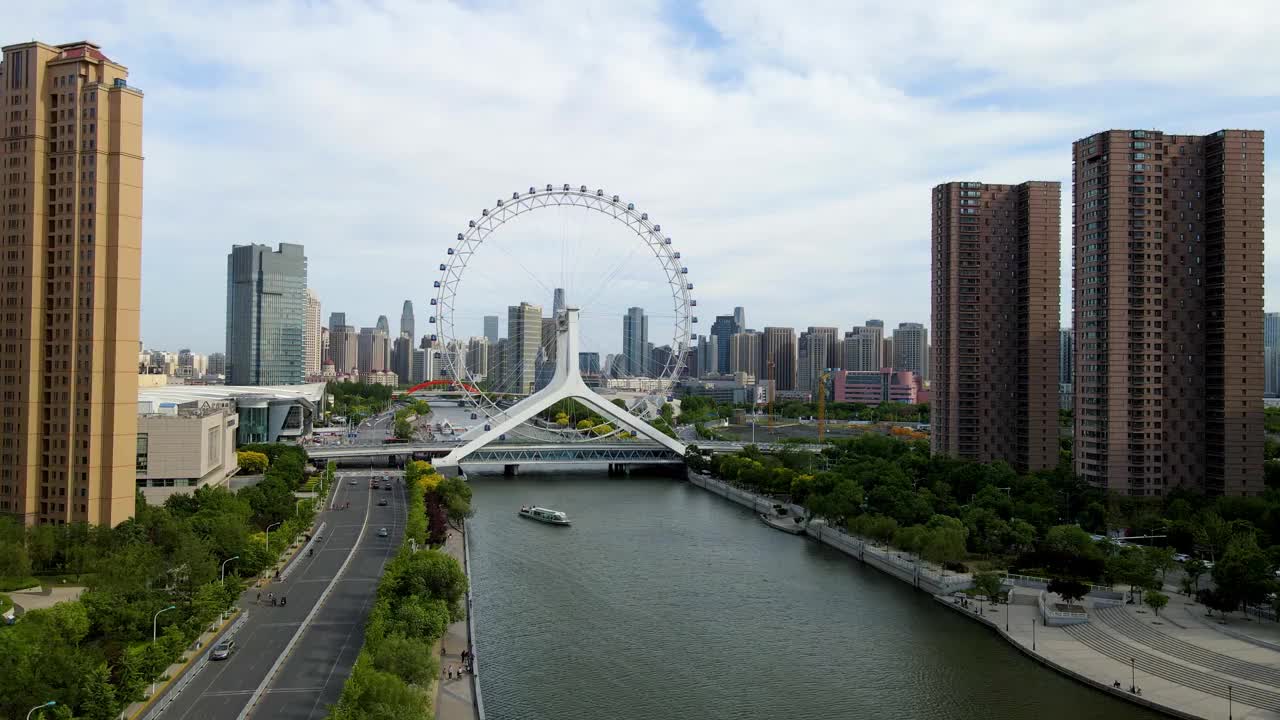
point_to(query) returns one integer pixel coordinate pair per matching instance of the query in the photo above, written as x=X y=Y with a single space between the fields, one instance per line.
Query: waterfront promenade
x=456 y=699
x=1185 y=664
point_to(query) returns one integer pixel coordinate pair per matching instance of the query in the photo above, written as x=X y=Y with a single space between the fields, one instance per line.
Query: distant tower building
x=491 y=329
x=1271 y=351
x=337 y=320
x=557 y=301
x=722 y=329
x=635 y=342
x=995 y=321
x=406 y=321
x=1066 y=356
x=402 y=357
x=266 y=314
x=324 y=347
x=589 y=363
x=911 y=349
x=740 y=318
x=779 y=348
x=478 y=357
x=344 y=349
x=863 y=349
x=373 y=350
x=744 y=354
x=811 y=359
x=524 y=330
x=383 y=325
x=886 y=351
x=708 y=353
x=217 y=364
x=311 y=346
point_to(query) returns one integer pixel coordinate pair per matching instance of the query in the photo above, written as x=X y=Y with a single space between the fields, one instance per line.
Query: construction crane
x=822 y=405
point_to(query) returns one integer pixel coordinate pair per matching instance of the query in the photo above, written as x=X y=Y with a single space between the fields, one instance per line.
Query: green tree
x=403 y=429
x=1156 y=601
x=409 y=659
x=252 y=463
x=1194 y=568
x=1070 y=590
x=988 y=583
x=1243 y=575
x=1161 y=560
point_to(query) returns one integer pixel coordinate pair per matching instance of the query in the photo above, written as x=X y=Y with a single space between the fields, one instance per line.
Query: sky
x=788 y=147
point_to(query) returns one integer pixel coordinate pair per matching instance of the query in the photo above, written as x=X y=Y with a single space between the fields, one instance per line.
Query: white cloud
x=791 y=160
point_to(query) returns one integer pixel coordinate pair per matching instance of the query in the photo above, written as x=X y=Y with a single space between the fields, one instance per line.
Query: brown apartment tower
x=995 y=322
x=70 y=224
x=1168 y=311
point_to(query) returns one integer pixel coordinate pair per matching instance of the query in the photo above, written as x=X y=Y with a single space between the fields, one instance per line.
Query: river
x=664 y=601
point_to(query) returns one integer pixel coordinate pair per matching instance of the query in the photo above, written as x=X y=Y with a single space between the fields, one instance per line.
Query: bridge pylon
x=565 y=384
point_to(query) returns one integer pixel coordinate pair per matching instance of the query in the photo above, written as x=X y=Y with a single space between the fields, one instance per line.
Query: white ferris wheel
x=493 y=396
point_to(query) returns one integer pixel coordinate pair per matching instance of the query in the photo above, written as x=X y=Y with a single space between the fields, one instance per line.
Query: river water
x=664 y=601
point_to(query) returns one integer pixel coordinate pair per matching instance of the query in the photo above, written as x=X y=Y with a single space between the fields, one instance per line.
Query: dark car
x=383 y=501
x=223 y=650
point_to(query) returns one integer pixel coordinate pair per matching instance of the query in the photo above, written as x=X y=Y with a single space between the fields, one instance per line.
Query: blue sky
x=788 y=147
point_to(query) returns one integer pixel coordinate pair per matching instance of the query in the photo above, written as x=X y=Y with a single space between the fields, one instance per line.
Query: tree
x=252 y=463
x=1243 y=575
x=1161 y=560
x=403 y=429
x=988 y=583
x=1156 y=601
x=1070 y=590
x=1194 y=569
x=409 y=659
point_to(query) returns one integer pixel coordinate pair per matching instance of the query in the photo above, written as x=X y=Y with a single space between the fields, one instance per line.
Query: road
x=310 y=678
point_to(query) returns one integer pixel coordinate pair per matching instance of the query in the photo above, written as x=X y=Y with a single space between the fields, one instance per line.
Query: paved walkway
x=1181 y=666
x=456 y=699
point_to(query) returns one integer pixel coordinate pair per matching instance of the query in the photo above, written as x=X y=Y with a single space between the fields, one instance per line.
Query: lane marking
x=284 y=655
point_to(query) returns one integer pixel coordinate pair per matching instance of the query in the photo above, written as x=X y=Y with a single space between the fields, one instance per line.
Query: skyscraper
x=383 y=325
x=406 y=320
x=863 y=349
x=722 y=329
x=217 y=363
x=1168 y=374
x=1271 y=352
x=402 y=357
x=478 y=357
x=344 y=349
x=71 y=222
x=635 y=342
x=337 y=320
x=589 y=363
x=910 y=349
x=995 y=322
x=1066 y=355
x=557 y=301
x=491 y=329
x=745 y=353
x=311 y=336
x=779 y=350
x=266 y=314
x=373 y=350
x=811 y=359
x=708 y=354
x=524 y=336
x=740 y=318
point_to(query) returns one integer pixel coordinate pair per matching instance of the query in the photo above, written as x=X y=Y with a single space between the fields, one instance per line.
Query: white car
x=382 y=532
x=1182 y=557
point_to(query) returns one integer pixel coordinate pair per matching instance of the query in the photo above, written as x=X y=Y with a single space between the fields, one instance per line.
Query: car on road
x=1182 y=557
x=223 y=650
x=382 y=532
x=352 y=481
x=382 y=502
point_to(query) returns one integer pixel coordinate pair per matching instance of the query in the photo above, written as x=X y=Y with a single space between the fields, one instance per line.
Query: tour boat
x=555 y=517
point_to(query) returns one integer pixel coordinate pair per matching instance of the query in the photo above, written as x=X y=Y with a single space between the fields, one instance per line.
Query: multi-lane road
x=292 y=661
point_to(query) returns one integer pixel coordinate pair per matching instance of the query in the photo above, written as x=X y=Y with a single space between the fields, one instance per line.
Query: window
x=141 y=463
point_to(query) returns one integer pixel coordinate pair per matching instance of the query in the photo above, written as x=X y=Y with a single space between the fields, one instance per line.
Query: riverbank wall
x=887 y=560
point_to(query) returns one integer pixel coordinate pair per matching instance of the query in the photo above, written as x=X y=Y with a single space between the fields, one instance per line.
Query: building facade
x=911 y=349
x=491 y=329
x=72 y=222
x=1271 y=353
x=1066 y=356
x=344 y=348
x=635 y=343
x=406 y=320
x=745 y=353
x=863 y=349
x=266 y=314
x=1168 y=374
x=875 y=387
x=524 y=337
x=724 y=328
x=995 y=321
x=311 y=341
x=811 y=359
x=778 y=359
x=373 y=350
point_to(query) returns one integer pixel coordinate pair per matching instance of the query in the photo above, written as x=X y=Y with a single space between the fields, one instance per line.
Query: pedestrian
x=273 y=602
x=271 y=598
x=259 y=600
x=442 y=648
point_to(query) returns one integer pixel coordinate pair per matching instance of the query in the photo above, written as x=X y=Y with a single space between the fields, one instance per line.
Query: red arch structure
x=437 y=383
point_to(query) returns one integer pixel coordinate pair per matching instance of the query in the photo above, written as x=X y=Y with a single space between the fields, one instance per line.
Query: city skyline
x=858 y=210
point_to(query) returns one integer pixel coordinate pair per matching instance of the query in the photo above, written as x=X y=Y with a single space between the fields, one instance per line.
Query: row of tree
x=402 y=427
x=357 y=400
x=95 y=655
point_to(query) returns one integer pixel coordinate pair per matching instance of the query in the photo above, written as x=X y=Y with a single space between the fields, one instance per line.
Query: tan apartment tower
x=995 y=322
x=71 y=225
x=1167 y=310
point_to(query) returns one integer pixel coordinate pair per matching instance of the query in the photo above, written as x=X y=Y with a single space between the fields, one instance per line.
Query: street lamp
x=275 y=524
x=1033 y=634
x=1133 y=676
x=155 y=619
x=1228 y=702
x=224 y=568
x=41 y=706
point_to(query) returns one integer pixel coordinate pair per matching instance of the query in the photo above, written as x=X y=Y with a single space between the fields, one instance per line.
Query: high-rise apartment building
x=778 y=360
x=995 y=322
x=708 y=354
x=1066 y=355
x=266 y=313
x=740 y=318
x=635 y=343
x=217 y=363
x=406 y=320
x=863 y=348
x=478 y=357
x=337 y=320
x=911 y=349
x=524 y=338
x=1168 y=375
x=491 y=329
x=745 y=353
x=374 y=350
x=1271 y=353
x=811 y=359
x=589 y=363
x=71 y=223
x=402 y=357
x=724 y=328
x=311 y=345
x=344 y=349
